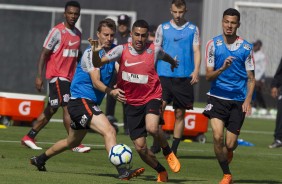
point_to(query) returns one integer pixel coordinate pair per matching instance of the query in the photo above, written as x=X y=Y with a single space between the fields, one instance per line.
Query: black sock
x=156 y=143
x=121 y=170
x=161 y=122
x=159 y=168
x=32 y=133
x=175 y=144
x=42 y=158
x=225 y=167
x=166 y=150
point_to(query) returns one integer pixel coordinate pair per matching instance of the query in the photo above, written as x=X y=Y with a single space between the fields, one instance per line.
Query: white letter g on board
x=24 y=108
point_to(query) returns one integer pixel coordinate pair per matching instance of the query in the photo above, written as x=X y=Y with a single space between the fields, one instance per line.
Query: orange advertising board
x=194 y=121
x=21 y=107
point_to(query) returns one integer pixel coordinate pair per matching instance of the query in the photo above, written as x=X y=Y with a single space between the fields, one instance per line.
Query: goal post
x=261 y=20
x=90 y=17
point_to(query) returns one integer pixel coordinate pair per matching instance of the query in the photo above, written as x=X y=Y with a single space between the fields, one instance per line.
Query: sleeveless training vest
x=62 y=63
x=137 y=76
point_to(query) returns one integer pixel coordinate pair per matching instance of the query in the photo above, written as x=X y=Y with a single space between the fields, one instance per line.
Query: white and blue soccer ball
x=120 y=155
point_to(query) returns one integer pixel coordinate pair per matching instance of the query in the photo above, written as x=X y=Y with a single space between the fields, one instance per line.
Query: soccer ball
x=120 y=155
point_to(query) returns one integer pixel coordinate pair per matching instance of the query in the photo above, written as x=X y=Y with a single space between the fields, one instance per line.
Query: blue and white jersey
x=178 y=42
x=231 y=84
x=82 y=86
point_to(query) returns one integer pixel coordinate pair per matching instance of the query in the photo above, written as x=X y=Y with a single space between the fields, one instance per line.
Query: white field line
x=244 y=131
x=101 y=145
x=91 y=145
x=61 y=121
x=252 y=132
x=51 y=143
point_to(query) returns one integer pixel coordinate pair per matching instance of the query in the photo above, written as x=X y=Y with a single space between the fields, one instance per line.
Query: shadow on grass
x=154 y=178
x=258 y=181
x=196 y=157
x=93 y=174
x=147 y=178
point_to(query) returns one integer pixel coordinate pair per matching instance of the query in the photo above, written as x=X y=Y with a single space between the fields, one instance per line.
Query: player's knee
x=142 y=150
x=49 y=111
x=110 y=131
x=218 y=139
x=231 y=145
x=179 y=114
x=140 y=146
x=73 y=144
x=153 y=131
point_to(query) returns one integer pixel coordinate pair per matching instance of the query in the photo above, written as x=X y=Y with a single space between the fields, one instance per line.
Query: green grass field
x=257 y=164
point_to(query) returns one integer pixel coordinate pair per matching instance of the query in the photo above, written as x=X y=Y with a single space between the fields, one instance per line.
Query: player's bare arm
x=117 y=93
x=172 y=61
x=250 y=87
x=45 y=54
x=212 y=74
x=96 y=47
x=161 y=54
x=197 y=62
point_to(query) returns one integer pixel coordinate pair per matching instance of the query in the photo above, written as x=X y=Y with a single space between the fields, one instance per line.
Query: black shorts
x=229 y=111
x=179 y=91
x=136 y=117
x=59 y=93
x=81 y=111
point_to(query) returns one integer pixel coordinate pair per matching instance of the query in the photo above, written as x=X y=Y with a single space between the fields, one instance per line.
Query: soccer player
x=180 y=39
x=138 y=79
x=88 y=89
x=122 y=37
x=59 y=54
x=230 y=69
x=276 y=93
